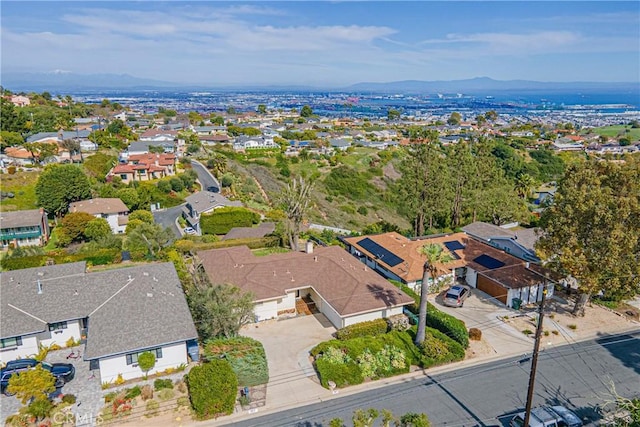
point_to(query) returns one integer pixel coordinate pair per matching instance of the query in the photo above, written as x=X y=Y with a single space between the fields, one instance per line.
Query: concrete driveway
x=287 y=342
x=483 y=312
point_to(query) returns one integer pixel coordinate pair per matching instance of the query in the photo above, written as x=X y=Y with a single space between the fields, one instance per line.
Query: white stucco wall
x=112 y=219
x=332 y=315
x=528 y=295
x=266 y=310
x=28 y=348
x=172 y=356
x=471 y=277
x=364 y=317
x=288 y=302
x=61 y=336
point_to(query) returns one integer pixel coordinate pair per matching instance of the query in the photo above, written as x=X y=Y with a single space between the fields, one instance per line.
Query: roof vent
x=75 y=292
x=39 y=287
x=149 y=294
x=130 y=278
x=40 y=273
x=155 y=279
x=144 y=273
x=315 y=259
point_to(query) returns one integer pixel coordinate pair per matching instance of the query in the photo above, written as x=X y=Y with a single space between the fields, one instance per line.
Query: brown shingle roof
x=99 y=206
x=345 y=283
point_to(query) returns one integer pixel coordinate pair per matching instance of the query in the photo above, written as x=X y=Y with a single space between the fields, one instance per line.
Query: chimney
x=309 y=247
x=39 y=287
x=527 y=264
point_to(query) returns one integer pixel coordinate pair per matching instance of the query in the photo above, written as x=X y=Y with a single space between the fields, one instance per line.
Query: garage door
x=495 y=290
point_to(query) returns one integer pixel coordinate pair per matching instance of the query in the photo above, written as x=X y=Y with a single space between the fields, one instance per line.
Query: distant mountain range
x=61 y=81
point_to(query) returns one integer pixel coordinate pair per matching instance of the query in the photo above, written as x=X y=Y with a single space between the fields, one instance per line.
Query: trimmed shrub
x=439 y=349
x=213 y=387
x=224 y=219
x=159 y=384
x=23 y=262
x=475 y=334
x=69 y=398
x=166 y=394
x=132 y=393
x=152 y=408
x=370 y=328
x=108 y=398
x=343 y=374
x=246 y=356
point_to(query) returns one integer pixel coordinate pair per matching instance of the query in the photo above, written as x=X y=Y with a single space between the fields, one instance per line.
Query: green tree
x=592 y=229
x=213 y=388
x=262 y=109
x=40 y=151
x=454 y=119
x=217 y=164
x=31 y=384
x=491 y=115
x=524 y=185
x=9 y=139
x=216 y=120
x=142 y=215
x=364 y=418
x=12 y=120
x=148 y=237
x=393 y=114
x=463 y=173
x=295 y=201
x=219 y=310
x=99 y=164
x=194 y=117
x=146 y=362
x=414 y=420
x=97 y=228
x=59 y=185
x=434 y=255
x=306 y=111
x=40 y=408
x=129 y=197
x=72 y=227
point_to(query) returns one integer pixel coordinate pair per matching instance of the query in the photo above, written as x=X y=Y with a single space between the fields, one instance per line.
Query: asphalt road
x=204 y=176
x=577 y=376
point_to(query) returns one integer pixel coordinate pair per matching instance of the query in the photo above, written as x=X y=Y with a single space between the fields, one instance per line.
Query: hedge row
x=99 y=257
x=224 y=219
x=445 y=323
x=370 y=328
x=439 y=349
x=246 y=356
x=213 y=388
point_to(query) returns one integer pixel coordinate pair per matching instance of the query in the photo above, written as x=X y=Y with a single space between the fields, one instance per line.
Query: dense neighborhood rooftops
x=128 y=309
x=99 y=206
x=346 y=284
x=28 y=218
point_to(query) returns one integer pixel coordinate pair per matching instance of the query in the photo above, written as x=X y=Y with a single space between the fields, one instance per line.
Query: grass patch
x=23 y=186
x=270 y=251
x=618 y=130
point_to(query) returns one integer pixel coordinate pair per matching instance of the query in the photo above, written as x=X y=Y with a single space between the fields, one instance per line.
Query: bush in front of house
x=224 y=219
x=363 y=329
x=132 y=393
x=246 y=356
x=18 y=263
x=213 y=387
x=160 y=383
x=438 y=349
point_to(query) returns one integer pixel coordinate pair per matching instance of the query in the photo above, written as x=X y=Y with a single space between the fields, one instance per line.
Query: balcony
x=26 y=234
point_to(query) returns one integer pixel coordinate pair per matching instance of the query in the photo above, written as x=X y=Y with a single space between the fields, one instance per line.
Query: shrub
x=147 y=392
x=448 y=325
x=224 y=219
x=411 y=419
x=362 y=329
x=181 y=386
x=166 y=394
x=159 y=384
x=69 y=398
x=475 y=334
x=572 y=326
x=132 y=393
x=362 y=210
x=213 y=387
x=246 y=356
x=152 y=408
x=527 y=331
x=22 y=262
x=439 y=349
x=71 y=342
x=183 y=401
x=119 y=380
x=108 y=398
x=343 y=374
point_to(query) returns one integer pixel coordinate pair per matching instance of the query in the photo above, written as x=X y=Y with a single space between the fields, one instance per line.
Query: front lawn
x=23 y=187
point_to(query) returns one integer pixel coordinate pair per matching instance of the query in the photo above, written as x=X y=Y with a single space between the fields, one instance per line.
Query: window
x=57 y=326
x=123 y=176
x=133 y=357
x=11 y=342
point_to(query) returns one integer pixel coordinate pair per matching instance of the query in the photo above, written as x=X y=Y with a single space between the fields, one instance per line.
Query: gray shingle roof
x=14 y=219
x=128 y=309
x=485 y=231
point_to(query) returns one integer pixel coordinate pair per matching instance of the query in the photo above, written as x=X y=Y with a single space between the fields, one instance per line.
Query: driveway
x=204 y=176
x=167 y=218
x=292 y=378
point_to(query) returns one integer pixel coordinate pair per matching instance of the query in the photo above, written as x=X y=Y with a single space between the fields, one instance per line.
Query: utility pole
x=534 y=357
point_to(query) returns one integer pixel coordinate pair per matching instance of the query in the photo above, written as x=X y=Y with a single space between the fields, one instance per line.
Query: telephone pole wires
x=534 y=357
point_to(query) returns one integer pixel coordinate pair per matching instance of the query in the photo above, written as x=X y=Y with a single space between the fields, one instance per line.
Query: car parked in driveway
x=548 y=416
x=63 y=372
x=456 y=295
x=189 y=230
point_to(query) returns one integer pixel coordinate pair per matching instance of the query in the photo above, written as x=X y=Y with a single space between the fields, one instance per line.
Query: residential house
x=111 y=209
x=20 y=100
x=326 y=278
x=566 y=144
x=24 y=228
x=519 y=243
x=244 y=142
x=398 y=257
x=340 y=143
x=203 y=202
x=144 y=167
x=117 y=315
x=214 y=139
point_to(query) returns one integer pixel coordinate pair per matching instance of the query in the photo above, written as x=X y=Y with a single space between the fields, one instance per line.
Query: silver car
x=456 y=295
x=548 y=416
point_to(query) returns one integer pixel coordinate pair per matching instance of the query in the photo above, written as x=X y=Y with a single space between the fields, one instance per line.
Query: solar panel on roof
x=488 y=262
x=381 y=253
x=454 y=245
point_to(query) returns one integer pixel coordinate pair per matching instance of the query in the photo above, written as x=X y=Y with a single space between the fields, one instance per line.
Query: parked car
x=548 y=416
x=63 y=372
x=189 y=230
x=213 y=189
x=456 y=295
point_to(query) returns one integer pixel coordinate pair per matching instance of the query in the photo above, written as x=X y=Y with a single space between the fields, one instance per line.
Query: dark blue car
x=63 y=372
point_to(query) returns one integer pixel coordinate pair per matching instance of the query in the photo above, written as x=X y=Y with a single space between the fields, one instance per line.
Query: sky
x=325 y=43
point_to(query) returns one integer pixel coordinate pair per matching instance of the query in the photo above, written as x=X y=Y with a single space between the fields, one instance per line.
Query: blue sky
x=325 y=43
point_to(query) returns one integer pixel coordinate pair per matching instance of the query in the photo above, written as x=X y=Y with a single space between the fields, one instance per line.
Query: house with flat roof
x=117 y=315
x=24 y=228
x=336 y=284
x=112 y=209
x=398 y=258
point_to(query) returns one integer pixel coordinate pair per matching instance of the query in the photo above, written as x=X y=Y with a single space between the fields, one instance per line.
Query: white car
x=548 y=416
x=189 y=230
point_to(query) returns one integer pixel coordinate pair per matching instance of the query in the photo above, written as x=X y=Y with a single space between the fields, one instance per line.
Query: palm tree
x=524 y=184
x=435 y=255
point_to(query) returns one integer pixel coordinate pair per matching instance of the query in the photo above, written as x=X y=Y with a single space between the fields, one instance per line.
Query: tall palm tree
x=524 y=184
x=434 y=255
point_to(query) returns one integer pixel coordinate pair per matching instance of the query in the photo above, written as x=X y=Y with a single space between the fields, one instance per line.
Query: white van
x=548 y=416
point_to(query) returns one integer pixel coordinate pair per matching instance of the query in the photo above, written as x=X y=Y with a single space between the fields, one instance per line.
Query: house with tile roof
x=145 y=167
x=117 y=314
x=113 y=210
x=476 y=263
x=340 y=287
x=24 y=228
